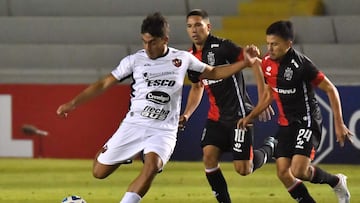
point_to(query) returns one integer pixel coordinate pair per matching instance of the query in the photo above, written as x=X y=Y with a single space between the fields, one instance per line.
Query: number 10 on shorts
x=238 y=139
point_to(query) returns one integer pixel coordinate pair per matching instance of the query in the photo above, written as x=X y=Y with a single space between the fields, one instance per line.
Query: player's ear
x=166 y=39
x=209 y=27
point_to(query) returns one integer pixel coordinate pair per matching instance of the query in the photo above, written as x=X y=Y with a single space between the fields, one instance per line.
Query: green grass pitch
x=50 y=180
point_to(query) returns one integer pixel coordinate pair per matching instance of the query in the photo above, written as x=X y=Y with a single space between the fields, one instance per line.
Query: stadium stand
x=347 y=29
x=3 y=8
x=344 y=7
x=55 y=41
x=216 y=7
x=95 y=7
x=57 y=63
x=313 y=29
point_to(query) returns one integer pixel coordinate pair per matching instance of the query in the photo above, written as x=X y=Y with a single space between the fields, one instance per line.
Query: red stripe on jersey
x=270 y=70
x=240 y=57
x=213 y=113
x=198 y=54
x=319 y=77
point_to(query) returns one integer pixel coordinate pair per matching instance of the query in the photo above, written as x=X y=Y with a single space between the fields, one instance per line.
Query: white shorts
x=130 y=139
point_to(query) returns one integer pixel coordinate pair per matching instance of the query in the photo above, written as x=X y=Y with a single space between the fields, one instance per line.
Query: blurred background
x=52 y=49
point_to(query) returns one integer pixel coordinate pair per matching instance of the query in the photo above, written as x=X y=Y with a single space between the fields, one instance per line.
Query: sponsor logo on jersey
x=155 y=113
x=156 y=83
x=268 y=70
x=285 y=91
x=148 y=75
x=177 y=62
x=158 y=97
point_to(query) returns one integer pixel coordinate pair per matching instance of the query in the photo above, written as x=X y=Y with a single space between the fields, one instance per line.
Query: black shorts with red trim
x=297 y=139
x=229 y=139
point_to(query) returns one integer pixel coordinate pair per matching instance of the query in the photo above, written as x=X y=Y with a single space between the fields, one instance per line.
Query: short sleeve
x=124 y=69
x=311 y=73
x=196 y=67
x=233 y=52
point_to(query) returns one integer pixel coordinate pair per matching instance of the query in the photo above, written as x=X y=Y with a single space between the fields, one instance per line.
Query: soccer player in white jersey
x=151 y=124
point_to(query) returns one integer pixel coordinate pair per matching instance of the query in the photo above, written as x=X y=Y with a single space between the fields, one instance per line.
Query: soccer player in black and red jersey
x=291 y=77
x=229 y=101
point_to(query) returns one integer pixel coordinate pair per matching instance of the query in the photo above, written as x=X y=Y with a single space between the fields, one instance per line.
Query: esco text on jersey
x=155 y=83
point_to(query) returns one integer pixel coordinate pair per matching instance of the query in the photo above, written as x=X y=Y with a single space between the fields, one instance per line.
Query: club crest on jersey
x=177 y=62
x=211 y=58
x=288 y=74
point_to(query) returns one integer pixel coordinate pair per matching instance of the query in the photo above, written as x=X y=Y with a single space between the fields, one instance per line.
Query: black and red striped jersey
x=228 y=97
x=292 y=81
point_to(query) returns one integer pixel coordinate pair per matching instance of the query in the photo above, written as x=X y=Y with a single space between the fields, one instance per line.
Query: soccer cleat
x=341 y=189
x=272 y=143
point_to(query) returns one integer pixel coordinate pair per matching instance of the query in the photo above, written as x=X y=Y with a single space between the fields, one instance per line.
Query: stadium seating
x=347 y=29
x=338 y=61
x=3 y=8
x=216 y=7
x=43 y=39
x=57 y=63
x=313 y=29
x=343 y=7
x=76 y=30
x=95 y=7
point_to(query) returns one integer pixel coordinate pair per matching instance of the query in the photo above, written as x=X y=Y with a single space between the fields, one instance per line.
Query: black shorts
x=295 y=139
x=225 y=138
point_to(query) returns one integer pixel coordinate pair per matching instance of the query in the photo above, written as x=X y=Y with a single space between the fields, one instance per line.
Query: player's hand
x=251 y=55
x=182 y=122
x=343 y=134
x=243 y=123
x=64 y=109
x=266 y=114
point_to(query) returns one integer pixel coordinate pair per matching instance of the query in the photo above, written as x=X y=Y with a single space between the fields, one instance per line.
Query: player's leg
x=119 y=149
x=247 y=160
x=243 y=154
x=141 y=184
x=159 y=145
x=100 y=170
x=214 y=141
x=294 y=186
x=301 y=166
x=286 y=164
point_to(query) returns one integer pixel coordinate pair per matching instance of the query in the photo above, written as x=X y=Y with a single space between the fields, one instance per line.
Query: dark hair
x=198 y=12
x=156 y=25
x=283 y=29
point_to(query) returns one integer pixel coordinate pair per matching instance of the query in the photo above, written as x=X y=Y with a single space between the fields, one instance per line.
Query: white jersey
x=157 y=88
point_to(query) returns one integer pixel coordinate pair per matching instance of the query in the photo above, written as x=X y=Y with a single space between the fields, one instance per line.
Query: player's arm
x=251 y=54
x=260 y=83
x=90 y=92
x=193 y=101
x=264 y=101
x=341 y=131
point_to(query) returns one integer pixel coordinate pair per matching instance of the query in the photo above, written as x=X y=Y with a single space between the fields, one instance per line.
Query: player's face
x=154 y=46
x=198 y=29
x=277 y=46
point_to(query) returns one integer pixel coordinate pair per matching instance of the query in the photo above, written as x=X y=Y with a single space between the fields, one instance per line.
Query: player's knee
x=298 y=173
x=243 y=170
x=99 y=175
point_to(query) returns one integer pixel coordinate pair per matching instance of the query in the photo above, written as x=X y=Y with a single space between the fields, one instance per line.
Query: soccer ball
x=73 y=199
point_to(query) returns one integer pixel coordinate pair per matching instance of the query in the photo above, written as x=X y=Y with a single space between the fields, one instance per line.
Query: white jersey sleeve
x=124 y=69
